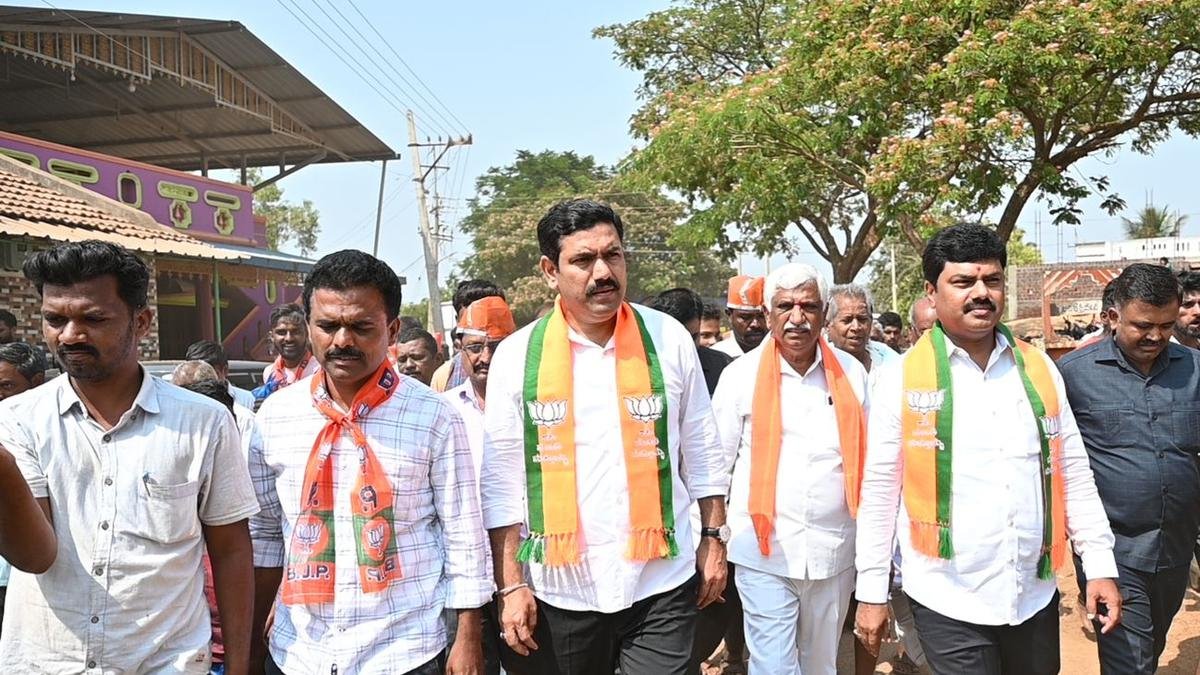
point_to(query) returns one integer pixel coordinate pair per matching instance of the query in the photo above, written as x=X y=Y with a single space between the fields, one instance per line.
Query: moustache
x=797 y=327
x=343 y=354
x=603 y=285
x=979 y=304
x=77 y=349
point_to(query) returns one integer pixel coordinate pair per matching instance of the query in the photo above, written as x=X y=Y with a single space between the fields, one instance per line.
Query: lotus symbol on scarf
x=308 y=534
x=547 y=413
x=644 y=408
x=925 y=402
x=1050 y=426
x=375 y=537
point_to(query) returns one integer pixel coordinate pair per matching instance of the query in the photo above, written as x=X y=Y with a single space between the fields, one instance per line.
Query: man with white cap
x=793 y=547
x=746 y=319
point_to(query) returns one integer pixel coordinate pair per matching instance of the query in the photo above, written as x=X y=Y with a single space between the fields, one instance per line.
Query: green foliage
x=417 y=310
x=286 y=222
x=1152 y=221
x=511 y=199
x=910 y=278
x=854 y=120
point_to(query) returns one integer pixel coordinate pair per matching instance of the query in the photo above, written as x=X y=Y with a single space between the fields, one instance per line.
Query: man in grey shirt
x=1135 y=398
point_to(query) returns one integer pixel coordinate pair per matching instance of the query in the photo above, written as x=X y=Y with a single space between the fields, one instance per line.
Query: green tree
x=1152 y=221
x=853 y=120
x=910 y=278
x=510 y=200
x=286 y=222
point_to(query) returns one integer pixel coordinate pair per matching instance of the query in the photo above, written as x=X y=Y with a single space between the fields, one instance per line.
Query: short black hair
x=290 y=311
x=568 y=217
x=1152 y=284
x=467 y=292
x=79 y=261
x=407 y=322
x=710 y=313
x=682 y=304
x=348 y=269
x=414 y=334
x=27 y=360
x=207 y=351
x=964 y=242
x=1108 y=297
x=1189 y=282
x=8 y=317
x=214 y=389
x=892 y=319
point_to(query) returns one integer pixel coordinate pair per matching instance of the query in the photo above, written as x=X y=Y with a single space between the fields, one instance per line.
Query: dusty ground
x=1181 y=657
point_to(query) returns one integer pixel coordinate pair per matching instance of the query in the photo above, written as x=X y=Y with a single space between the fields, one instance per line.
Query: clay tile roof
x=38 y=205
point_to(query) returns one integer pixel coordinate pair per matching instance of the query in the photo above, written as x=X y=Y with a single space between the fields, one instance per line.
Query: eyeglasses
x=476 y=348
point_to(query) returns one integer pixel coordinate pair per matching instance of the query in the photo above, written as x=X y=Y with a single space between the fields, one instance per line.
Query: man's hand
x=713 y=571
x=518 y=618
x=1104 y=591
x=870 y=625
x=466 y=656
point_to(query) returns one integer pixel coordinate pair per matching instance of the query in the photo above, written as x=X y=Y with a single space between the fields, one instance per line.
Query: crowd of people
x=630 y=490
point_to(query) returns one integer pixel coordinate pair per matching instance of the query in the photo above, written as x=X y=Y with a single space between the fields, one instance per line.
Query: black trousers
x=714 y=623
x=955 y=647
x=653 y=637
x=1149 y=602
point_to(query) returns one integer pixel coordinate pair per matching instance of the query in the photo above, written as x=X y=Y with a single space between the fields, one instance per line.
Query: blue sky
x=528 y=75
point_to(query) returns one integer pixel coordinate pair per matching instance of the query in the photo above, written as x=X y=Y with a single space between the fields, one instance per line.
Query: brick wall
x=1025 y=293
x=19 y=296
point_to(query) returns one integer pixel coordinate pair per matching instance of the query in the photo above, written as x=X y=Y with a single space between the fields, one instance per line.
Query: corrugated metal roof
x=165 y=121
x=39 y=205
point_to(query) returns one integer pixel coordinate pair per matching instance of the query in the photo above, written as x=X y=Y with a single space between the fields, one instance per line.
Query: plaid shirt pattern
x=420 y=440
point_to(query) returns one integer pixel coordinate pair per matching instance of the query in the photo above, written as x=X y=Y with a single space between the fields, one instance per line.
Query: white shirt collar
x=146 y=399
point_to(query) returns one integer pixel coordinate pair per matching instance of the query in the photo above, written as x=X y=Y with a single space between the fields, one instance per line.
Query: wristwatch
x=721 y=533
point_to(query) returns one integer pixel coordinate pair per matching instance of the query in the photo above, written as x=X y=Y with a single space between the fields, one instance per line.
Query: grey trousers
x=955 y=647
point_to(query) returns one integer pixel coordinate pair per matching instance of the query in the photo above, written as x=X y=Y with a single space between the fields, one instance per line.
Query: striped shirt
x=421 y=442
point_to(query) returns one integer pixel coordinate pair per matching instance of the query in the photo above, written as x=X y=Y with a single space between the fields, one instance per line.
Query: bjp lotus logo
x=1051 y=427
x=547 y=413
x=644 y=408
x=375 y=536
x=925 y=402
x=308 y=534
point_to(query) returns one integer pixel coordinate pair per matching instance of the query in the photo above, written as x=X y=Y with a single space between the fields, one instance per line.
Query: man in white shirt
x=213 y=354
x=369 y=499
x=135 y=478
x=747 y=323
x=974 y=446
x=848 y=325
x=795 y=478
x=598 y=438
x=482 y=325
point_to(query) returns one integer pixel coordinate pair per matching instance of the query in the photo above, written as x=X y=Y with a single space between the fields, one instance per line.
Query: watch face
x=723 y=533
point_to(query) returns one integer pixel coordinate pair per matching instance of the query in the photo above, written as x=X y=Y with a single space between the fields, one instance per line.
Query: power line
x=357 y=70
x=444 y=125
x=404 y=63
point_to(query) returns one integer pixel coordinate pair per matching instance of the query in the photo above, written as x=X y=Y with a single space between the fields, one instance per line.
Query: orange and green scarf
x=927 y=441
x=550 y=443
x=766 y=436
x=310 y=574
x=281 y=371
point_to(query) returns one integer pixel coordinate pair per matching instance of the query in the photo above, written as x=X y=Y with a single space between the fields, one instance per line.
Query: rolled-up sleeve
x=880 y=500
x=228 y=494
x=266 y=527
x=452 y=478
x=1087 y=523
x=502 y=480
x=704 y=469
x=20 y=443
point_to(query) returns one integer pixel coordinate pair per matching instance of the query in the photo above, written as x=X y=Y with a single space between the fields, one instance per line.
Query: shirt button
x=98 y=571
x=1154 y=416
x=107 y=438
x=1164 y=490
x=91 y=664
x=108 y=481
x=95 y=619
x=104 y=525
x=1161 y=454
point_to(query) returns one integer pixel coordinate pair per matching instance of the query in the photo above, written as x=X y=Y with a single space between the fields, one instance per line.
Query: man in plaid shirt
x=370 y=523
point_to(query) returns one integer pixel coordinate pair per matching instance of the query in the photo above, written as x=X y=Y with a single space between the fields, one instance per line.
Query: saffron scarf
x=280 y=374
x=927 y=441
x=310 y=570
x=766 y=436
x=550 y=443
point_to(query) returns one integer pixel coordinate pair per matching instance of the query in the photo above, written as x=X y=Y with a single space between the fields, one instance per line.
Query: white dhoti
x=792 y=625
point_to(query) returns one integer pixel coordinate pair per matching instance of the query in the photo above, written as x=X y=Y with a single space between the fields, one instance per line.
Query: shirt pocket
x=1107 y=425
x=1185 y=425
x=167 y=513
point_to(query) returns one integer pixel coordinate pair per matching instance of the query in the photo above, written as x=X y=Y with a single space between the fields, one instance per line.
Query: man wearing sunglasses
x=482 y=325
